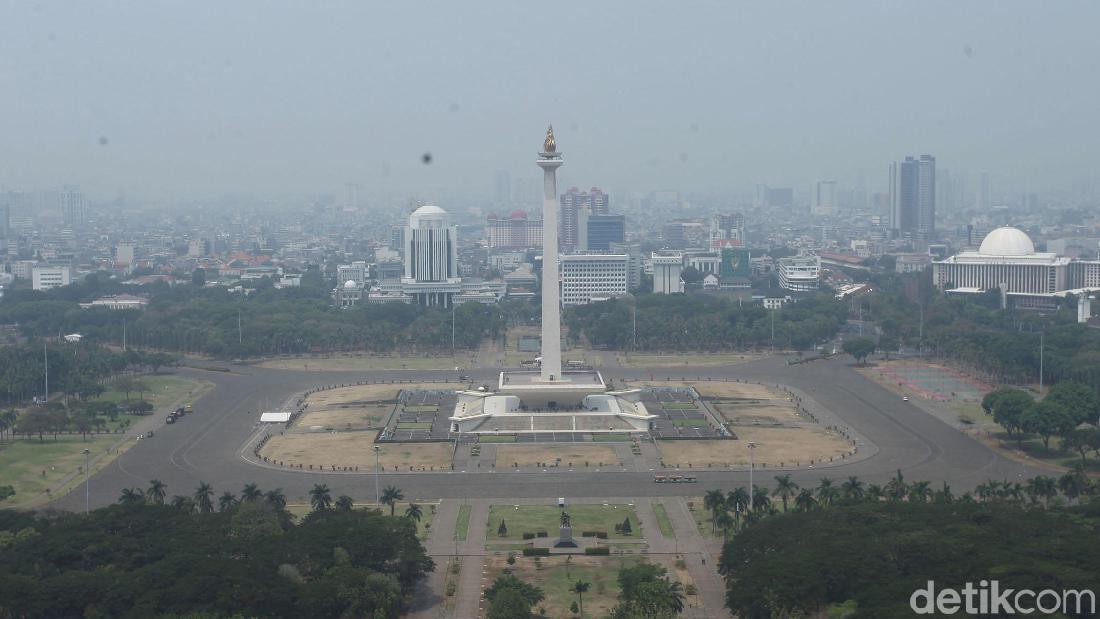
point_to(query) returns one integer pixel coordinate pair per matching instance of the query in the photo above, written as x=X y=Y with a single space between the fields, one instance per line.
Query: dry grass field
x=532 y=454
x=354 y=449
x=773 y=446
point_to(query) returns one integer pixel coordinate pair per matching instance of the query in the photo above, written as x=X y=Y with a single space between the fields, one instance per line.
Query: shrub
x=588 y=534
x=536 y=552
x=542 y=534
x=601 y=534
x=528 y=536
x=598 y=550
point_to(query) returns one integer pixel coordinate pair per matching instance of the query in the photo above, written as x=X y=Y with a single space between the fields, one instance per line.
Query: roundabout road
x=205 y=446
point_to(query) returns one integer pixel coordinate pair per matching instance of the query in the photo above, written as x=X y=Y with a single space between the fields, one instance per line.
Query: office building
x=598 y=232
x=824 y=202
x=913 y=198
x=517 y=231
x=71 y=201
x=124 y=254
x=667 y=269
x=799 y=273
x=729 y=230
x=357 y=272
x=573 y=202
x=587 y=278
x=47 y=277
x=431 y=257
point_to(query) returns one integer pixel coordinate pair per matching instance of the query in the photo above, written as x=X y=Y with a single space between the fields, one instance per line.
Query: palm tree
x=390 y=496
x=226 y=500
x=1074 y=483
x=826 y=493
x=714 y=501
x=204 y=495
x=920 y=492
x=760 y=500
x=250 y=493
x=1042 y=487
x=944 y=495
x=580 y=588
x=896 y=488
x=675 y=599
x=724 y=522
x=738 y=500
x=852 y=488
x=805 y=501
x=785 y=489
x=275 y=498
x=874 y=493
x=157 y=491
x=320 y=497
x=131 y=496
x=183 y=503
x=414 y=512
x=344 y=503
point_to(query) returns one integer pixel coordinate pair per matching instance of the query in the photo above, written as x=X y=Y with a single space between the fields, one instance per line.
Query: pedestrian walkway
x=700 y=556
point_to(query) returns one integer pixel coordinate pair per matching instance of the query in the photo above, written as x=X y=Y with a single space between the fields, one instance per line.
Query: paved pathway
x=695 y=550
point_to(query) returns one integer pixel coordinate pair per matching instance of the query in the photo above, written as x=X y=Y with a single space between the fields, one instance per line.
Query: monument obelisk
x=550 y=160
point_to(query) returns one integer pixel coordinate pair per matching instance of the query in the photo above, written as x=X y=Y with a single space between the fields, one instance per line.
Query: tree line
x=151 y=556
x=75 y=370
x=856 y=557
x=703 y=323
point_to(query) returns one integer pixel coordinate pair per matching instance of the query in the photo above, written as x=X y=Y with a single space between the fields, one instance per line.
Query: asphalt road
x=206 y=446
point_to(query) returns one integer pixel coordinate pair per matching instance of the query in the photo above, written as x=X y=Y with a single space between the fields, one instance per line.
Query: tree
x=508 y=604
x=625 y=527
x=125 y=384
x=508 y=582
x=805 y=501
x=691 y=275
x=502 y=530
x=1007 y=406
x=785 y=488
x=390 y=496
x=896 y=489
x=344 y=503
x=320 y=498
x=860 y=348
x=1046 y=419
x=714 y=501
x=1080 y=441
x=888 y=343
x=250 y=493
x=414 y=512
x=580 y=588
x=198 y=277
x=275 y=498
x=1077 y=399
x=646 y=591
x=920 y=492
x=1074 y=483
x=204 y=498
x=760 y=500
x=226 y=501
x=826 y=492
x=852 y=488
x=157 y=491
x=131 y=496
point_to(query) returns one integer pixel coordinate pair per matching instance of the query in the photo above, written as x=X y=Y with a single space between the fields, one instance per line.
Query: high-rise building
x=600 y=231
x=667 y=269
x=5 y=220
x=728 y=230
x=985 y=199
x=913 y=197
x=587 y=278
x=71 y=201
x=355 y=272
x=573 y=201
x=824 y=198
x=431 y=257
x=517 y=231
x=799 y=273
x=351 y=199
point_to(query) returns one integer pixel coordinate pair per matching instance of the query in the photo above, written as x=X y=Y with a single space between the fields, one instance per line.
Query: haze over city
x=267 y=99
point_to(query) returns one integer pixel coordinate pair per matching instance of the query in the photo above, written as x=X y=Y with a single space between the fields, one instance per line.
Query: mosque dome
x=1007 y=241
x=519 y=214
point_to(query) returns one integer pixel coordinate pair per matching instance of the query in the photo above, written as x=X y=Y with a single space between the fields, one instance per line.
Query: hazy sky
x=199 y=98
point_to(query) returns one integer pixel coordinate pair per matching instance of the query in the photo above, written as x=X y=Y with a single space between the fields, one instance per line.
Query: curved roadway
x=206 y=446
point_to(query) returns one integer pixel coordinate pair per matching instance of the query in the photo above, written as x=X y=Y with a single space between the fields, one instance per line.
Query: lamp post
x=87 y=477
x=377 y=494
x=752 y=465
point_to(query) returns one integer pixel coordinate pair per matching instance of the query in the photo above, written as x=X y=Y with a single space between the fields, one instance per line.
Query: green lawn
x=661 y=514
x=164 y=390
x=22 y=463
x=414 y=425
x=689 y=422
x=371 y=362
x=609 y=438
x=462 y=525
x=497 y=438
x=679 y=406
x=555 y=576
x=971 y=412
x=427 y=408
x=535 y=518
x=654 y=361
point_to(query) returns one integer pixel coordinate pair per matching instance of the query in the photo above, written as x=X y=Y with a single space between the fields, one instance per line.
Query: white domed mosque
x=1007 y=260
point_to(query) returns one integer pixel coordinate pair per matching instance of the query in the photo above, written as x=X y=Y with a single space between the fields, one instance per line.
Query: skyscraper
x=431 y=257
x=71 y=201
x=600 y=231
x=913 y=197
x=824 y=198
x=573 y=201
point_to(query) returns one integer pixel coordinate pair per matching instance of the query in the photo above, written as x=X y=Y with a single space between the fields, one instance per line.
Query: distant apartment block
x=48 y=277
